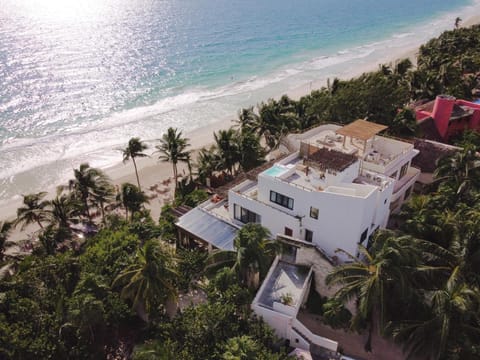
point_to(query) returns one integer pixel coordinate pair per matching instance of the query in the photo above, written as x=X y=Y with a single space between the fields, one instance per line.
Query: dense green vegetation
x=80 y=294
x=421 y=284
x=449 y=64
x=121 y=286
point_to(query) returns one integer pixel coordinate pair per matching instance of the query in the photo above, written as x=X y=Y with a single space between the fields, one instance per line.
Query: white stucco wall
x=341 y=219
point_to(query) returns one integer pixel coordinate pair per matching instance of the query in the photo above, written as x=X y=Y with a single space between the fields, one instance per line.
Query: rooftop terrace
x=297 y=172
x=378 y=150
x=286 y=281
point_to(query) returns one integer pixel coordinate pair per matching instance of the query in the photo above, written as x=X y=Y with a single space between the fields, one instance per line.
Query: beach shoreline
x=154 y=173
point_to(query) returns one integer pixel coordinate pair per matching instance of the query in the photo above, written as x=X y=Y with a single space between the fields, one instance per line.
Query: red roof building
x=446 y=117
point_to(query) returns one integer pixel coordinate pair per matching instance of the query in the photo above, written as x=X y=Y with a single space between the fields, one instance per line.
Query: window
x=281 y=200
x=244 y=215
x=288 y=231
x=370 y=238
x=394 y=175
x=308 y=235
x=313 y=212
x=363 y=236
x=403 y=171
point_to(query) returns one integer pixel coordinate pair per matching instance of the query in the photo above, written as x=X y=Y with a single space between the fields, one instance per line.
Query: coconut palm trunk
x=136 y=173
x=172 y=148
x=87 y=210
x=175 y=176
x=134 y=149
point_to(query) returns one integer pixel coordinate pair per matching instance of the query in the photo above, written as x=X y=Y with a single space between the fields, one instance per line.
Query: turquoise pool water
x=275 y=170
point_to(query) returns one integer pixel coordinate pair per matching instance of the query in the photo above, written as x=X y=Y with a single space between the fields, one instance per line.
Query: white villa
x=333 y=191
x=335 y=188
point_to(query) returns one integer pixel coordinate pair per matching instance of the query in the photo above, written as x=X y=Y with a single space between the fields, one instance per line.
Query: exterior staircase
x=318 y=352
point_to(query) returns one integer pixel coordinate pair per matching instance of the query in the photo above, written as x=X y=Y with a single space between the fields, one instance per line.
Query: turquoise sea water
x=79 y=78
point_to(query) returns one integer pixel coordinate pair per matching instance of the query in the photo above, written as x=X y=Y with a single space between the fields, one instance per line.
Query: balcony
x=407 y=180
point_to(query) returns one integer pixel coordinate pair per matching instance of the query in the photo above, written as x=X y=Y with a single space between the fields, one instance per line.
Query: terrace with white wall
x=337 y=176
x=378 y=154
x=278 y=302
x=309 y=195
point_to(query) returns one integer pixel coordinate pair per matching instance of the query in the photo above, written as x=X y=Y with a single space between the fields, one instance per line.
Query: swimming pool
x=275 y=171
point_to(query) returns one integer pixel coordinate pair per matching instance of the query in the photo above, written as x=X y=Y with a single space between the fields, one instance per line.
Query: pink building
x=445 y=117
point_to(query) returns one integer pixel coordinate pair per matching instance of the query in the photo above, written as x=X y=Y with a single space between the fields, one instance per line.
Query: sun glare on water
x=63 y=10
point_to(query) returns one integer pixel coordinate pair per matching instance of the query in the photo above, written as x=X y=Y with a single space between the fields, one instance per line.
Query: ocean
x=79 y=78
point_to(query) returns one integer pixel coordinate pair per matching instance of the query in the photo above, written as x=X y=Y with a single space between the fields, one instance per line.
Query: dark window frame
x=312 y=211
x=245 y=216
x=308 y=235
x=282 y=200
x=363 y=236
x=403 y=171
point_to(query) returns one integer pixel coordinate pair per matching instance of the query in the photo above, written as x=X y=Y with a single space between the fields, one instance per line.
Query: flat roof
x=361 y=129
x=209 y=228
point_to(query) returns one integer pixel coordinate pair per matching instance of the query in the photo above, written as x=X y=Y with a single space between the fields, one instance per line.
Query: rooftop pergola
x=361 y=130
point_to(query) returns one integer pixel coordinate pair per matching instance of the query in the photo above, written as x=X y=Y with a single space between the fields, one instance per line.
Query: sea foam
x=31 y=163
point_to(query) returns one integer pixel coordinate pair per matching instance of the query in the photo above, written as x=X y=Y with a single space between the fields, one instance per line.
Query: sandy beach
x=154 y=175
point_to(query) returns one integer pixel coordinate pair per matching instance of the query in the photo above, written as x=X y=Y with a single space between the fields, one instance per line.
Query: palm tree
x=460 y=169
x=150 y=281
x=453 y=321
x=132 y=199
x=33 y=210
x=51 y=236
x=402 y=67
x=415 y=214
x=247 y=119
x=86 y=181
x=189 y=166
x=172 y=148
x=134 y=149
x=252 y=256
x=207 y=163
x=276 y=120
x=458 y=20
x=64 y=210
x=5 y=228
x=376 y=277
x=252 y=154
x=271 y=124
x=404 y=124
x=228 y=148
x=101 y=195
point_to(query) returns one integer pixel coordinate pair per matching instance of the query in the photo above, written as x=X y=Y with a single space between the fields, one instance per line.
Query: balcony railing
x=411 y=173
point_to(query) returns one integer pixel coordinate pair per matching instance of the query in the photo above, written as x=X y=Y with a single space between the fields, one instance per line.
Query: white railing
x=407 y=179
